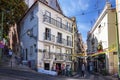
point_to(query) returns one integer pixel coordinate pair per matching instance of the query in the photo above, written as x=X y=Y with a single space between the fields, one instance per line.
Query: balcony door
x=48 y=16
x=47 y=54
x=68 y=41
x=59 y=22
x=47 y=34
x=59 y=40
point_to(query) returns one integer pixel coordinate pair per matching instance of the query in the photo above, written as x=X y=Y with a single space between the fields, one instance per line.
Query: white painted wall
x=38 y=29
x=29 y=2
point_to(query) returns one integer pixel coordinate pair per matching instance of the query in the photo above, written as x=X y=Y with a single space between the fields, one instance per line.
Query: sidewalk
x=108 y=77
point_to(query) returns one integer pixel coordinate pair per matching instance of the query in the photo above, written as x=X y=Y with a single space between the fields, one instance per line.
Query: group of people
x=63 y=70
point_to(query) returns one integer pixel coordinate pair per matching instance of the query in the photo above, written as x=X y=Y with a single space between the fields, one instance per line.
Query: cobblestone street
x=12 y=74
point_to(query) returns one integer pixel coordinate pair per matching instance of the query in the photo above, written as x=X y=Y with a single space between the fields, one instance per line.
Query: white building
x=104 y=33
x=46 y=36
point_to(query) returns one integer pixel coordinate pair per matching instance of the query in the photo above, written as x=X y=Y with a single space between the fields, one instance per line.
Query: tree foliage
x=12 y=11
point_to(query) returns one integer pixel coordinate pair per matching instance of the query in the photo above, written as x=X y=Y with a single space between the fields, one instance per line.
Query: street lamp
x=30 y=33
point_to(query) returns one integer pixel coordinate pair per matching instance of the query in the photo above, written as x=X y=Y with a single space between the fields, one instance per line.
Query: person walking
x=83 y=70
x=91 y=67
x=10 y=53
x=63 y=69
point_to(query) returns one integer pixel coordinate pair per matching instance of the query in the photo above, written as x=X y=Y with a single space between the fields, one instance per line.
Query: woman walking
x=83 y=70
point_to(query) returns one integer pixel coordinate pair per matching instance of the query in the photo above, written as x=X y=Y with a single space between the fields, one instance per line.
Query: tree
x=13 y=10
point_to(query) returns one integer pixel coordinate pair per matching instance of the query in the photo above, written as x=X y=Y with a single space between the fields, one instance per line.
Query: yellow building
x=118 y=29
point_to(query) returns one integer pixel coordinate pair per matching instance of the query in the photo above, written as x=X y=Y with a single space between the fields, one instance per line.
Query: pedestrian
x=63 y=69
x=57 y=69
x=10 y=53
x=68 y=70
x=91 y=66
x=83 y=70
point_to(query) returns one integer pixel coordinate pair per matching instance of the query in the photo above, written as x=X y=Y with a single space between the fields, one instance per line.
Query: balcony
x=56 y=23
x=63 y=41
x=68 y=58
x=53 y=39
x=49 y=37
x=59 y=56
x=48 y=55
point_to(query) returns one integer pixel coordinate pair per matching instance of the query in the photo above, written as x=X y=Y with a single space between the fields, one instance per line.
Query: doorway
x=26 y=56
x=46 y=66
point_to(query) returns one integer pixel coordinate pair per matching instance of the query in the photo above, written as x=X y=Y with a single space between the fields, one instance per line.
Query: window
x=58 y=50
x=99 y=28
x=68 y=57
x=69 y=41
x=59 y=56
x=47 y=34
x=59 y=22
x=31 y=16
x=47 y=16
x=47 y=53
x=48 y=13
x=67 y=25
x=59 y=38
x=46 y=66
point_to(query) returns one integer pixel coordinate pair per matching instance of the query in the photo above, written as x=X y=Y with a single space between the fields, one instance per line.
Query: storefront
x=98 y=61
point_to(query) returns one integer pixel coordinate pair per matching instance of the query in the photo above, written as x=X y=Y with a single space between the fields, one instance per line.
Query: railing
x=49 y=37
x=48 y=55
x=68 y=58
x=63 y=41
x=59 y=56
x=56 y=23
x=52 y=38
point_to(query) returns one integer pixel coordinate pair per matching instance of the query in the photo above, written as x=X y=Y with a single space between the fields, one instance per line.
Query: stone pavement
x=13 y=65
x=107 y=77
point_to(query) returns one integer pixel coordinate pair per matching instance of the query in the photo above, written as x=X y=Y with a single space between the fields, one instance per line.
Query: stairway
x=12 y=63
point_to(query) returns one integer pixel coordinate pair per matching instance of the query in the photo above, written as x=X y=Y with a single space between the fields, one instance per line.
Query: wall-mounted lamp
x=30 y=33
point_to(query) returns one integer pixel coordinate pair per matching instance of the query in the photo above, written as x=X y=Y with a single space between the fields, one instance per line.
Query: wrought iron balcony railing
x=52 y=38
x=68 y=58
x=63 y=41
x=49 y=37
x=48 y=55
x=58 y=56
x=56 y=23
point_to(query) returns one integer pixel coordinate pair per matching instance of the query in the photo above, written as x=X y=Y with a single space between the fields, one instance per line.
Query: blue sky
x=85 y=11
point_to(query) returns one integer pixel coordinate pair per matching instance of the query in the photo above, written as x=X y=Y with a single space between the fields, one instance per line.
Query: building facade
x=78 y=48
x=102 y=42
x=46 y=36
x=118 y=27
